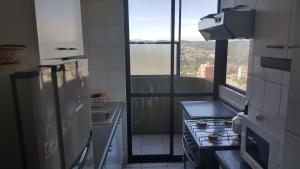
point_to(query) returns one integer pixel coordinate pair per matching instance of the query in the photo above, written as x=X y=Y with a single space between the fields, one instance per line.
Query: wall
x=103 y=30
x=266 y=88
x=103 y=33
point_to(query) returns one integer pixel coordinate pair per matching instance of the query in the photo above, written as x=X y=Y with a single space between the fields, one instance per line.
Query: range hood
x=229 y=24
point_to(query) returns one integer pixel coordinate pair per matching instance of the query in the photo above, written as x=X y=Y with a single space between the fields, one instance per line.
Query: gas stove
x=205 y=136
x=212 y=132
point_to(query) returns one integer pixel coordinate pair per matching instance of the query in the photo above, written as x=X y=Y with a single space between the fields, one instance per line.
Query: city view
x=197 y=60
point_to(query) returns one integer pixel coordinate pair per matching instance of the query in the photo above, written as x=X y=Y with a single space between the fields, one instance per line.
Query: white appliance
x=258 y=148
x=45 y=117
x=29 y=127
x=229 y=24
x=74 y=121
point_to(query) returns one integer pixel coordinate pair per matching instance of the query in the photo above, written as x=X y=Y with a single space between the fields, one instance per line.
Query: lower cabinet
x=114 y=158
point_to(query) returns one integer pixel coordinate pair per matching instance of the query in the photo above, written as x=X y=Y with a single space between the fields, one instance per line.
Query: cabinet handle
x=294 y=47
x=275 y=46
x=62 y=48
x=66 y=48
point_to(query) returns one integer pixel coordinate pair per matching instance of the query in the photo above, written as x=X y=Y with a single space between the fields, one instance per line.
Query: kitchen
x=153 y=111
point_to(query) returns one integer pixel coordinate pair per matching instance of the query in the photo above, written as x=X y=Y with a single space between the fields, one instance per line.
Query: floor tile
x=151 y=165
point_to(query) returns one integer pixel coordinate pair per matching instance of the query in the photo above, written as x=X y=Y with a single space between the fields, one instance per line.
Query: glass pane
x=237 y=63
x=150 y=125
x=197 y=56
x=150 y=20
x=150 y=84
x=150 y=59
x=178 y=121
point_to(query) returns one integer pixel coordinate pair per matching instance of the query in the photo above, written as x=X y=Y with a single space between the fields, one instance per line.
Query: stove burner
x=212 y=137
x=201 y=123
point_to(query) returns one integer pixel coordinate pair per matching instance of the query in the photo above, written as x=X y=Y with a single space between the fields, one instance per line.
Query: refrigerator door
x=74 y=111
x=37 y=112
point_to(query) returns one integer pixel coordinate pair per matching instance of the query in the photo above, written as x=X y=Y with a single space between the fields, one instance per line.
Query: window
x=237 y=63
x=197 y=55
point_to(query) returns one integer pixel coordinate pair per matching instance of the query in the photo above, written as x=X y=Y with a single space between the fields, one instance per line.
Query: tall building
x=206 y=71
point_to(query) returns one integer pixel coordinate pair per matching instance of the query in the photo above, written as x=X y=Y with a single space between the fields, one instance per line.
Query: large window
x=197 y=55
x=237 y=63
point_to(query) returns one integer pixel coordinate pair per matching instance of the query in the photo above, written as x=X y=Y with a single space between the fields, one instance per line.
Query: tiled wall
x=234 y=98
x=103 y=30
x=267 y=92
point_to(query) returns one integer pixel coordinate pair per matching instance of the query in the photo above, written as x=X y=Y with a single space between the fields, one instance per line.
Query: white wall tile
x=275 y=125
x=117 y=95
x=97 y=36
x=274 y=75
x=283 y=101
x=115 y=12
x=117 y=80
x=98 y=58
x=272 y=99
x=257 y=95
x=115 y=36
x=258 y=71
x=99 y=80
x=286 y=78
x=95 y=12
x=116 y=58
x=253 y=113
x=291 y=152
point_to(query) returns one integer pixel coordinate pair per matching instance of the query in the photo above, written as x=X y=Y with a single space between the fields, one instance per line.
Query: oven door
x=191 y=160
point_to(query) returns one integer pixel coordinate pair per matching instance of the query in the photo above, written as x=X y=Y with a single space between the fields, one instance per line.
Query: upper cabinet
x=59 y=28
x=294 y=36
x=50 y=28
x=272 y=28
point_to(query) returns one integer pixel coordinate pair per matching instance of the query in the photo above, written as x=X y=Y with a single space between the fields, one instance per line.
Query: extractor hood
x=229 y=24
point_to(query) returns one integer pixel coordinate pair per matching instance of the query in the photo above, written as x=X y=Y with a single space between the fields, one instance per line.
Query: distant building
x=206 y=71
x=242 y=71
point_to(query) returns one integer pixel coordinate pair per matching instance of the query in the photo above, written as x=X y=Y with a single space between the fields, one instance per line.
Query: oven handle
x=184 y=142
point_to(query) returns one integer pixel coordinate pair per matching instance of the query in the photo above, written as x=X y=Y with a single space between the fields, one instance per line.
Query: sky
x=151 y=19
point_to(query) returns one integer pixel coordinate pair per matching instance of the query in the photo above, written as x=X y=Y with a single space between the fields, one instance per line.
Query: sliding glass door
x=168 y=62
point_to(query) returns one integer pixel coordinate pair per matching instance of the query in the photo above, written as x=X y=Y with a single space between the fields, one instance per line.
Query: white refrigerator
x=45 y=117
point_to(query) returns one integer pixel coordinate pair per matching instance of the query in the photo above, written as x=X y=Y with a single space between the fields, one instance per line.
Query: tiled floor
x=154 y=166
x=155 y=144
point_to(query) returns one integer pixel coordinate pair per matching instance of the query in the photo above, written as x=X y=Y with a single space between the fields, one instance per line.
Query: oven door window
x=257 y=148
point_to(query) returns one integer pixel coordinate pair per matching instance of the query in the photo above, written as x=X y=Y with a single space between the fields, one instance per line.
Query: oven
x=191 y=156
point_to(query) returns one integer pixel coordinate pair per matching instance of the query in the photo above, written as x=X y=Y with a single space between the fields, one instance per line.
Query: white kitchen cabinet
x=73 y=29
x=50 y=28
x=294 y=36
x=291 y=151
x=271 y=28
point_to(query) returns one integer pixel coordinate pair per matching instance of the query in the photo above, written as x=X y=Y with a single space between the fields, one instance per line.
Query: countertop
x=231 y=159
x=207 y=109
x=103 y=134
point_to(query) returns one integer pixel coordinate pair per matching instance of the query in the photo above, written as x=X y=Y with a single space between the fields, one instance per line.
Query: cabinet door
x=73 y=28
x=271 y=28
x=294 y=38
x=50 y=28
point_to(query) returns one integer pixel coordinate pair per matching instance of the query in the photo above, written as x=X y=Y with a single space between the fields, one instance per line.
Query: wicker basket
x=10 y=54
